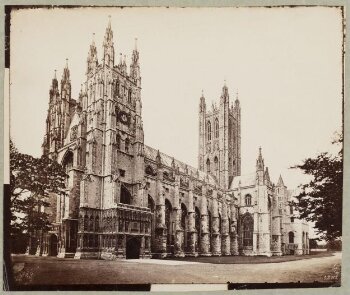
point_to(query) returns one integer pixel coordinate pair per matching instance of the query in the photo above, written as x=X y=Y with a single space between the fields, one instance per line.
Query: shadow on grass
x=251 y=259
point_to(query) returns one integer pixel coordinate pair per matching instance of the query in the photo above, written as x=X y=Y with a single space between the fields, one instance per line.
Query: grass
x=251 y=259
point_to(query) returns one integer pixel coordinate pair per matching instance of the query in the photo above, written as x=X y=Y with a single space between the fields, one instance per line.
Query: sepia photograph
x=168 y=145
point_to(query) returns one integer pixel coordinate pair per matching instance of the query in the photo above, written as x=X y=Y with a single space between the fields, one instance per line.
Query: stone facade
x=126 y=199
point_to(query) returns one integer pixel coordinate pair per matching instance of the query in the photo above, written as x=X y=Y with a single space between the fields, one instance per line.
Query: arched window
x=291 y=237
x=129 y=95
x=127 y=142
x=216 y=164
x=248 y=200
x=209 y=130
x=247 y=230
x=216 y=128
x=208 y=166
x=125 y=196
x=220 y=224
x=291 y=209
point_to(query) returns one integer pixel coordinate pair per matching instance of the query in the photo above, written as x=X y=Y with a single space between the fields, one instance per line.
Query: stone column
x=233 y=234
x=160 y=235
x=225 y=238
x=179 y=233
x=191 y=222
x=204 y=244
x=216 y=239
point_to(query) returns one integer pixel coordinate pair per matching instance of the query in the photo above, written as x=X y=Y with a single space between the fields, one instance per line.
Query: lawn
x=251 y=259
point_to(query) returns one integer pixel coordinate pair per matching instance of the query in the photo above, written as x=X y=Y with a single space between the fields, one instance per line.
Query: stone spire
x=135 y=66
x=66 y=83
x=280 y=182
x=54 y=93
x=260 y=161
x=202 y=105
x=224 y=94
x=108 y=46
x=92 y=60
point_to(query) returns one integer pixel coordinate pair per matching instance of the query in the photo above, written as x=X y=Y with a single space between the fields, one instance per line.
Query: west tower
x=220 y=139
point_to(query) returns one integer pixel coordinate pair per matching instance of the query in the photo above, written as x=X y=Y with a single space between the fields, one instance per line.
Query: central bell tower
x=220 y=139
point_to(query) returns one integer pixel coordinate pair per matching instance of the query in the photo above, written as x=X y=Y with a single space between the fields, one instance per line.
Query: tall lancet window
x=208 y=166
x=209 y=130
x=216 y=128
x=129 y=95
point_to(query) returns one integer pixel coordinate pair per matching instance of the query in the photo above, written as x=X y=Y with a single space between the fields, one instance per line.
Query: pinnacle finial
x=136 y=43
x=55 y=74
x=109 y=21
x=67 y=63
x=202 y=93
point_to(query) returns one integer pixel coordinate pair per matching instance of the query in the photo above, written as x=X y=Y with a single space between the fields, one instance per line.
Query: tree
x=320 y=200
x=31 y=181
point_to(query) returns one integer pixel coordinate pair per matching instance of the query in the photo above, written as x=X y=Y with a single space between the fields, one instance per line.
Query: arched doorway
x=184 y=225
x=53 y=245
x=133 y=246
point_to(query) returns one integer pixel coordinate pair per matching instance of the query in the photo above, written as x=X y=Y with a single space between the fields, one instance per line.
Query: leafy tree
x=320 y=200
x=31 y=181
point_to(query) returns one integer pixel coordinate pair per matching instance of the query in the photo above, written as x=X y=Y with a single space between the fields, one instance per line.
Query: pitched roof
x=243 y=180
x=166 y=160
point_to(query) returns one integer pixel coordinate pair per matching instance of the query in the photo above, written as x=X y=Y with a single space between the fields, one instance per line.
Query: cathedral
x=125 y=199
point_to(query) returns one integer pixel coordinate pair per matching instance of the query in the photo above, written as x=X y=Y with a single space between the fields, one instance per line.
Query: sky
x=284 y=63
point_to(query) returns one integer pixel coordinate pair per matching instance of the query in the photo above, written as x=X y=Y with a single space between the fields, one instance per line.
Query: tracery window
x=209 y=130
x=247 y=230
x=248 y=200
x=216 y=128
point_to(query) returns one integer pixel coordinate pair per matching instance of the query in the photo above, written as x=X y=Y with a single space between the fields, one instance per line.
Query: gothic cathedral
x=125 y=199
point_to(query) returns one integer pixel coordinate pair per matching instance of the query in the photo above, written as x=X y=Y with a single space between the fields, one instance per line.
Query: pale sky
x=285 y=63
